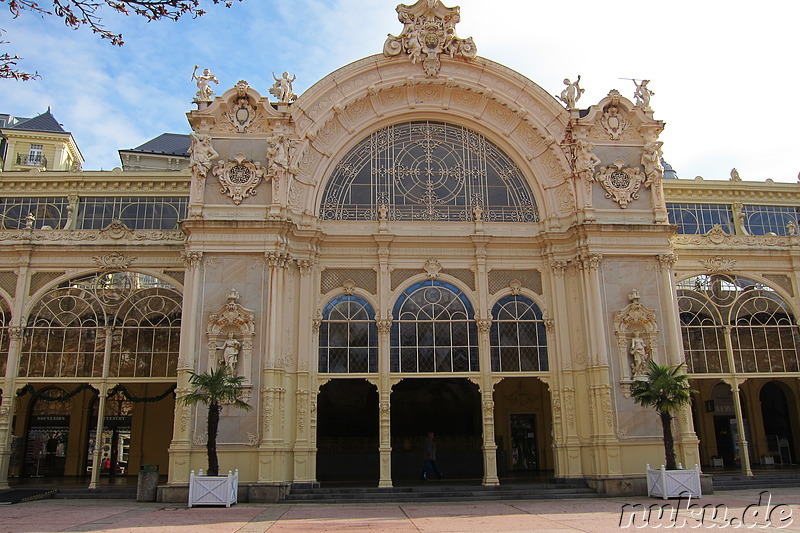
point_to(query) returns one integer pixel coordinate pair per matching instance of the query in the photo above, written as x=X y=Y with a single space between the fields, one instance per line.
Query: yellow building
x=38 y=143
x=422 y=241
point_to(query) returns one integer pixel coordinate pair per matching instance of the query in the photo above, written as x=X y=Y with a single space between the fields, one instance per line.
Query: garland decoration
x=63 y=397
x=149 y=399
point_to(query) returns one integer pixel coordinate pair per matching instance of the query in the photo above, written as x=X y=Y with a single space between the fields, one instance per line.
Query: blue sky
x=723 y=72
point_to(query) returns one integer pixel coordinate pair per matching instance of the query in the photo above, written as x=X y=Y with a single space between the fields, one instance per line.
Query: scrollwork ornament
x=718 y=264
x=239 y=177
x=113 y=261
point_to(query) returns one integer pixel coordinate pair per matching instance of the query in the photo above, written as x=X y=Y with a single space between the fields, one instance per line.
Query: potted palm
x=666 y=389
x=215 y=389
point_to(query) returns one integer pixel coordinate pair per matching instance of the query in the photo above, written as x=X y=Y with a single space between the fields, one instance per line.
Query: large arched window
x=427 y=171
x=518 y=338
x=434 y=330
x=348 y=336
x=68 y=329
x=759 y=325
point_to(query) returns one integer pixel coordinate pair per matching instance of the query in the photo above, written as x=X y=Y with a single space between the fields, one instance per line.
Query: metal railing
x=32 y=160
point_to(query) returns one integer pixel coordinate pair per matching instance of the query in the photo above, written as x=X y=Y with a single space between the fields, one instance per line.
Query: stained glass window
x=434 y=330
x=348 y=336
x=518 y=338
x=427 y=171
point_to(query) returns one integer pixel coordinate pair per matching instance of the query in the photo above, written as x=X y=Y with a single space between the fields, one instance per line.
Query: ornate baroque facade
x=423 y=240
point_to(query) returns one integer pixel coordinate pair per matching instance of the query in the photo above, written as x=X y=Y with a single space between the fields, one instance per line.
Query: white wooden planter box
x=213 y=490
x=663 y=483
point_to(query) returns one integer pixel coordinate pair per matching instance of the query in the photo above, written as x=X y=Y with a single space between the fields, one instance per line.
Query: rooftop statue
x=204 y=80
x=429 y=31
x=571 y=93
x=282 y=88
x=643 y=94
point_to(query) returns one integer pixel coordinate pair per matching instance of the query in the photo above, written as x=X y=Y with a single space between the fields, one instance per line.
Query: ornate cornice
x=729 y=191
x=90 y=182
x=95 y=236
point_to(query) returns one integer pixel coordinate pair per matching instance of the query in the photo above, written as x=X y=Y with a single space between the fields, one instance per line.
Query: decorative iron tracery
x=760 y=324
x=518 y=336
x=348 y=336
x=66 y=331
x=434 y=330
x=428 y=171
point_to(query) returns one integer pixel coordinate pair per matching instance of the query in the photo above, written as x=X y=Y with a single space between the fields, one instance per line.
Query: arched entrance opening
x=780 y=422
x=347 y=432
x=47 y=436
x=523 y=424
x=448 y=407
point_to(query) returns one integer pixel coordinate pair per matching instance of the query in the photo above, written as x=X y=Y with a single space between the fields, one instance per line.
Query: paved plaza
x=734 y=509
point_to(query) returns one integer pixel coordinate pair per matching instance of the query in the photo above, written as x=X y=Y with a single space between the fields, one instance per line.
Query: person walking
x=429 y=467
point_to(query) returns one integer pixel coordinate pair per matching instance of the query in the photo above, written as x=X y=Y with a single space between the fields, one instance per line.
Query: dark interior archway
x=450 y=407
x=778 y=422
x=347 y=432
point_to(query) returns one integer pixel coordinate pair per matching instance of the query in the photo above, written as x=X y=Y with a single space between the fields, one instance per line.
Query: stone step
x=436 y=494
x=756 y=482
x=105 y=493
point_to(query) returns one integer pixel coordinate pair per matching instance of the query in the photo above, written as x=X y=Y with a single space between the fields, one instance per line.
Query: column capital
x=191 y=259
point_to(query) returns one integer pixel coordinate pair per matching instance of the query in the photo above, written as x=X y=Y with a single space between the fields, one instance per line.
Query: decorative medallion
x=621 y=183
x=239 y=177
x=113 y=261
x=429 y=31
x=432 y=267
x=718 y=264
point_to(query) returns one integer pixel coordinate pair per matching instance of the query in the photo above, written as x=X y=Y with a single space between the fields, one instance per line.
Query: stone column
x=8 y=405
x=181 y=446
x=306 y=364
x=385 y=406
x=489 y=446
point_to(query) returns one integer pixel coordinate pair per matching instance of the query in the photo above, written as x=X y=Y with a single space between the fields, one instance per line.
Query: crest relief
x=239 y=177
x=428 y=32
x=621 y=183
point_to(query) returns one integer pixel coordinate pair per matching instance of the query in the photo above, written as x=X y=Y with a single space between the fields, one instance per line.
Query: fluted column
x=8 y=405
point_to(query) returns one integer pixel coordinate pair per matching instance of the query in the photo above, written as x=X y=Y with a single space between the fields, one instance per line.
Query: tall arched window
x=67 y=330
x=427 y=171
x=348 y=336
x=758 y=324
x=434 y=330
x=518 y=337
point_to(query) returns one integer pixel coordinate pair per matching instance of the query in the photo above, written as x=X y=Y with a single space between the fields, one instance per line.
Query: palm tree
x=667 y=391
x=215 y=389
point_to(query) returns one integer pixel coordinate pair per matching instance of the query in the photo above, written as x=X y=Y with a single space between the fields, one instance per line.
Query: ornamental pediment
x=240 y=110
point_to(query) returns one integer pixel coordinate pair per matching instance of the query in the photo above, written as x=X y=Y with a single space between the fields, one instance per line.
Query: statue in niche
x=282 y=89
x=643 y=94
x=571 y=93
x=204 y=80
x=201 y=156
x=230 y=352
x=651 y=161
x=585 y=159
x=639 y=355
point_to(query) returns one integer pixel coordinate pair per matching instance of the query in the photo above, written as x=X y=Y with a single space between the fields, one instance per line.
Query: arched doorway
x=448 y=407
x=347 y=432
x=779 y=423
x=47 y=437
x=523 y=424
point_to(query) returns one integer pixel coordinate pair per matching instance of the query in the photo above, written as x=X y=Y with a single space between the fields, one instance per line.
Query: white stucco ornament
x=429 y=31
x=621 y=183
x=239 y=177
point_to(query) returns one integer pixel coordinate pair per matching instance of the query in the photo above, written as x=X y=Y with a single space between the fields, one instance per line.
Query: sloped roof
x=166 y=143
x=44 y=122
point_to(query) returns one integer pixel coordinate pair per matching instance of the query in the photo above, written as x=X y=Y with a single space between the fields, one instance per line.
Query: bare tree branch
x=79 y=13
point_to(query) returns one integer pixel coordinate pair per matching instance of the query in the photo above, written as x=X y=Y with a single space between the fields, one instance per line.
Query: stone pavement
x=739 y=509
